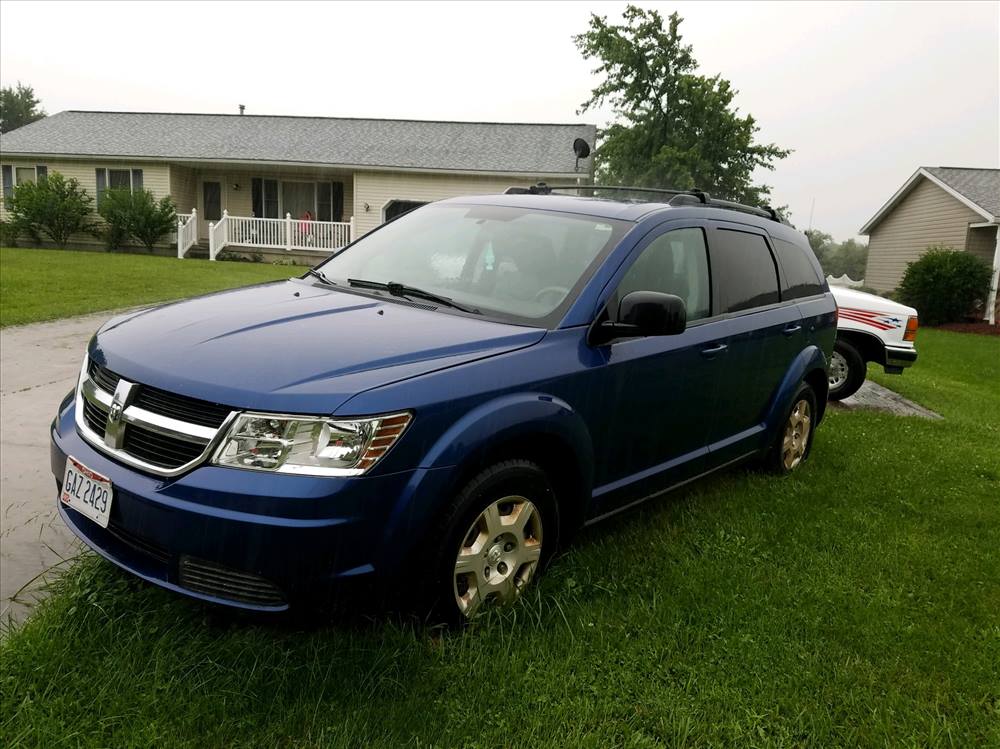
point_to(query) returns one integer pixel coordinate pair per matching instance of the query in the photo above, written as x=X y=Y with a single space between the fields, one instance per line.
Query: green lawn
x=40 y=285
x=854 y=604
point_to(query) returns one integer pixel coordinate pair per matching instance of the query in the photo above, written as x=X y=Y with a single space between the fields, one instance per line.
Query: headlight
x=311 y=445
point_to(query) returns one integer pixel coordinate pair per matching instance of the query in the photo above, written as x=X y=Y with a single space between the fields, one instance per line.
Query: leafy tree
x=54 y=206
x=673 y=128
x=136 y=214
x=821 y=243
x=848 y=258
x=18 y=106
x=945 y=285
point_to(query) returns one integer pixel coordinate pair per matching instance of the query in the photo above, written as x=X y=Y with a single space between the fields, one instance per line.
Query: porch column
x=288 y=232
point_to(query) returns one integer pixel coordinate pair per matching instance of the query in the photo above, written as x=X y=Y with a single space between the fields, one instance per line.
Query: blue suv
x=443 y=402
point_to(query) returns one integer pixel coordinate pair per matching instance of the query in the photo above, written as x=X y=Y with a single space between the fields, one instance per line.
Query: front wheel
x=498 y=534
x=847 y=371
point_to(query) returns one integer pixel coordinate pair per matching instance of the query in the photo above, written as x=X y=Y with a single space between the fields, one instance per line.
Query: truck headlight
x=309 y=445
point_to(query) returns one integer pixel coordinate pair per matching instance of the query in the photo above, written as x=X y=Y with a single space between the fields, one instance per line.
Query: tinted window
x=800 y=275
x=745 y=269
x=673 y=263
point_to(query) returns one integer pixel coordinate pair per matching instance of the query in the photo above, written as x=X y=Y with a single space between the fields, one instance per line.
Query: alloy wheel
x=796 y=439
x=498 y=555
x=838 y=371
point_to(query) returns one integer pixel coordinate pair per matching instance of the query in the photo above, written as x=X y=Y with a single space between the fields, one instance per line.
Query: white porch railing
x=187 y=231
x=286 y=234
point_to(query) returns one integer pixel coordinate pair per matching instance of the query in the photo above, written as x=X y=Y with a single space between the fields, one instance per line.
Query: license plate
x=87 y=492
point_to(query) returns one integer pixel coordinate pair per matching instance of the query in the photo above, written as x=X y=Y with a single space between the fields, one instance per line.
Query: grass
x=38 y=285
x=856 y=603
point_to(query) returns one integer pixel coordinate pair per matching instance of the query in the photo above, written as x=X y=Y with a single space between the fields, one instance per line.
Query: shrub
x=944 y=285
x=8 y=234
x=54 y=206
x=114 y=209
x=136 y=214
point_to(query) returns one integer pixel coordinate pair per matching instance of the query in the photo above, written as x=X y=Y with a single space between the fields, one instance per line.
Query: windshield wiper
x=402 y=290
x=319 y=274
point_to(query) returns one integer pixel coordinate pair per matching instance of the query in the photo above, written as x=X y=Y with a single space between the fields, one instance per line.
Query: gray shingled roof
x=981 y=186
x=453 y=146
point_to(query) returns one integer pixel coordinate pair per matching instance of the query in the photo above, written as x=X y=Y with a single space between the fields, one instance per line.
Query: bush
x=54 y=206
x=944 y=285
x=136 y=214
x=114 y=209
x=8 y=234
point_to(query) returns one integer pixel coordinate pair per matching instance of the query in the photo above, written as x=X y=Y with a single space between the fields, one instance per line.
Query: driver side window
x=674 y=263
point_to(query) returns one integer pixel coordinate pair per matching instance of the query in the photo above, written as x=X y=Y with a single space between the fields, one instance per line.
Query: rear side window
x=801 y=277
x=673 y=263
x=745 y=269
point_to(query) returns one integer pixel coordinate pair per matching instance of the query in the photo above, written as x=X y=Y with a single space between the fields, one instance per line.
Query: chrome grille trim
x=90 y=394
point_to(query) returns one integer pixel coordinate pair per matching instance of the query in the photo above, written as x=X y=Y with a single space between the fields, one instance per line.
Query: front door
x=211 y=204
x=663 y=388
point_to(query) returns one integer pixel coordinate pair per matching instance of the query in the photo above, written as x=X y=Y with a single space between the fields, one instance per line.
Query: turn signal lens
x=911 y=329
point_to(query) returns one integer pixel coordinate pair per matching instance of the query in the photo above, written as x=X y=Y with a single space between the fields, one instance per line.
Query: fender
x=809 y=359
x=469 y=443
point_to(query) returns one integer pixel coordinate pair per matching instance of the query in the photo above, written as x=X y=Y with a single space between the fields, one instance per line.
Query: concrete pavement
x=39 y=364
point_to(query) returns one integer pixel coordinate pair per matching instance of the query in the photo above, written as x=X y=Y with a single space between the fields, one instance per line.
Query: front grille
x=142 y=437
x=158 y=449
x=138 y=543
x=104 y=378
x=180 y=407
x=96 y=418
x=212 y=579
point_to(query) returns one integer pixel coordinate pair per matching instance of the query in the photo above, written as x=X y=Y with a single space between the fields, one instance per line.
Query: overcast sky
x=863 y=93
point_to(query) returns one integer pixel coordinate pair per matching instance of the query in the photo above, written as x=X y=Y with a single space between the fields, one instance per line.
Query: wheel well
x=817 y=379
x=555 y=457
x=869 y=346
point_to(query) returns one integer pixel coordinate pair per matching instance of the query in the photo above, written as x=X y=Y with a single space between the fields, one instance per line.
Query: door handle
x=708 y=353
x=791 y=329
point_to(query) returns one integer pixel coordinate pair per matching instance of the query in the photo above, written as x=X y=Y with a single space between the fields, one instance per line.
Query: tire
x=793 y=442
x=502 y=552
x=847 y=371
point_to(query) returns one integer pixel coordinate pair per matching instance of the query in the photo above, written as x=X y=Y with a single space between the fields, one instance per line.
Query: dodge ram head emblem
x=114 y=429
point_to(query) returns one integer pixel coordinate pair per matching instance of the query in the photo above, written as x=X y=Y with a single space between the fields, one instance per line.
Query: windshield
x=517 y=264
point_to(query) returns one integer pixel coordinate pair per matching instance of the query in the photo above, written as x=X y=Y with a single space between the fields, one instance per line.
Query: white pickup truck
x=869 y=328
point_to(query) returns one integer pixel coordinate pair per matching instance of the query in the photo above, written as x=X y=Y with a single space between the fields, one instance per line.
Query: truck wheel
x=847 y=371
x=498 y=534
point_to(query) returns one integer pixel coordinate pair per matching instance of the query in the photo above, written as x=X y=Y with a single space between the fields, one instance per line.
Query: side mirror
x=642 y=314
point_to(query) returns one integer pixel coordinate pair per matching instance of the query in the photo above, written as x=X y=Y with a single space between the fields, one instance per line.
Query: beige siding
x=378 y=188
x=982 y=243
x=926 y=217
x=183 y=188
x=155 y=178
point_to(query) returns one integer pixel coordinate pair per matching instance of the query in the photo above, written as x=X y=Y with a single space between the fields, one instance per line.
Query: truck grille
x=149 y=428
x=212 y=579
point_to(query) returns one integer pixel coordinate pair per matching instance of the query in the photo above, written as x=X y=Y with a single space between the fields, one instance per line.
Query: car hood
x=293 y=346
x=860 y=300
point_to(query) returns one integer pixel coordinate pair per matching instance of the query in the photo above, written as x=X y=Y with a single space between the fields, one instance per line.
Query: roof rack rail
x=678 y=197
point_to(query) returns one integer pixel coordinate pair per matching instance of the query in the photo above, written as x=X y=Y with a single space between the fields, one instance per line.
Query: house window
x=324 y=201
x=13 y=176
x=117 y=179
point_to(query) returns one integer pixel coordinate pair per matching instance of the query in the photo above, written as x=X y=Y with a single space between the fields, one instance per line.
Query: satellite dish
x=581 y=148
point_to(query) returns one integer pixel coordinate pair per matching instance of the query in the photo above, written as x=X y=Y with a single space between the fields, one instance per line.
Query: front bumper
x=899 y=358
x=293 y=537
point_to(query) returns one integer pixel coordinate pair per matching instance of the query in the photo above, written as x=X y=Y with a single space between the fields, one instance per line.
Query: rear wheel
x=499 y=533
x=847 y=371
x=794 y=441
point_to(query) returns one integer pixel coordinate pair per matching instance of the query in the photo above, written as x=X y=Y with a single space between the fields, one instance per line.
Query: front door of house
x=211 y=206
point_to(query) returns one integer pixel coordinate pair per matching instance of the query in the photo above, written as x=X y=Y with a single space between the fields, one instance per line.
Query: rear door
x=765 y=336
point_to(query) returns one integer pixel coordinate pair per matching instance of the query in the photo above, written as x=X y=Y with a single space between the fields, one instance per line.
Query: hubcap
x=838 y=370
x=796 y=439
x=498 y=555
